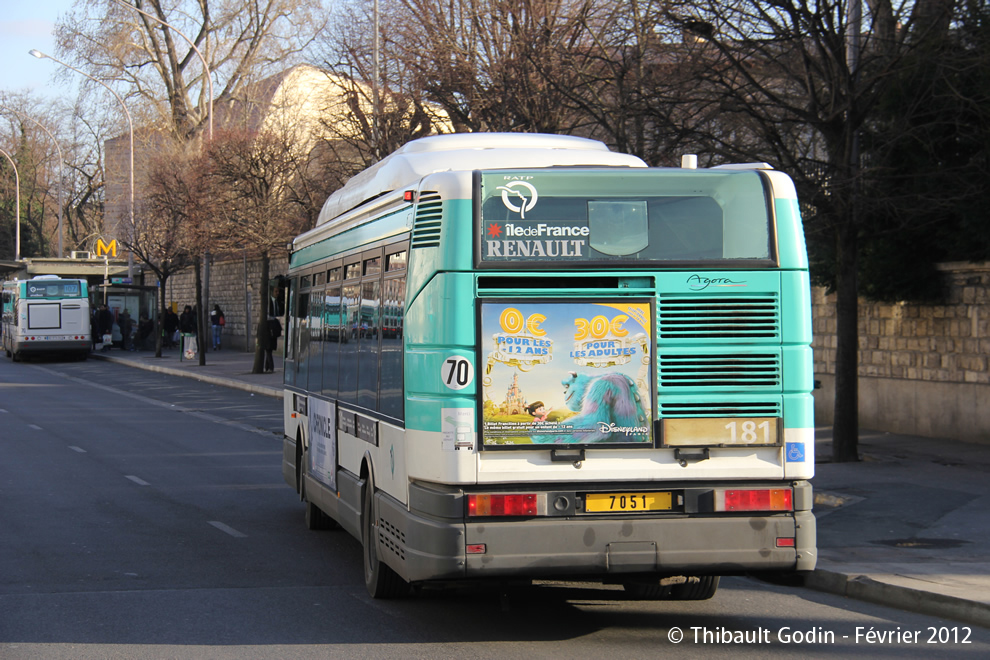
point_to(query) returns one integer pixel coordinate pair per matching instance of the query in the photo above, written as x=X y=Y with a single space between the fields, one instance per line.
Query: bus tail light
x=753 y=499
x=508 y=504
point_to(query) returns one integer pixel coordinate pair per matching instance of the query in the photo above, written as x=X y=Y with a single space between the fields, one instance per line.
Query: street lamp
x=17 y=200
x=61 y=161
x=130 y=130
x=206 y=67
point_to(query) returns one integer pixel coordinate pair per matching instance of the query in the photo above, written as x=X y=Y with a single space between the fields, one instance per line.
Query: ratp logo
x=527 y=200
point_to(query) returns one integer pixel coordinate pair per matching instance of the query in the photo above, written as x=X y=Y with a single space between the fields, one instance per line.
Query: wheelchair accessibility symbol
x=794 y=452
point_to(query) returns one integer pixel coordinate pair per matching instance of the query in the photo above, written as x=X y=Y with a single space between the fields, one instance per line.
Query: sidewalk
x=229 y=368
x=908 y=526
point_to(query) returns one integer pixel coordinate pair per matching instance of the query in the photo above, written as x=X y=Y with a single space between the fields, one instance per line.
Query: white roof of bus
x=461 y=152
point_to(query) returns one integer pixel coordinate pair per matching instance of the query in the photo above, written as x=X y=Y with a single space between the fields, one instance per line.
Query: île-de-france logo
x=519 y=196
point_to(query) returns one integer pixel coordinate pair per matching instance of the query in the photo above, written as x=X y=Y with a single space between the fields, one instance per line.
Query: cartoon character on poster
x=567 y=373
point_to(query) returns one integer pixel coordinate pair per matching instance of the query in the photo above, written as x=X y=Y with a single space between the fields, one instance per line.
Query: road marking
x=2 y=410
x=78 y=449
x=227 y=529
x=35 y=427
x=164 y=404
x=139 y=481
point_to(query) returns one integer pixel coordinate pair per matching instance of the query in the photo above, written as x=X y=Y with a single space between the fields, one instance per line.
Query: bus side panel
x=294 y=425
x=799 y=378
x=435 y=402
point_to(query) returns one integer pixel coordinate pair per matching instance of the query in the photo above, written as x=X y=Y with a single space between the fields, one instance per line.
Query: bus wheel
x=696 y=588
x=15 y=356
x=647 y=590
x=379 y=578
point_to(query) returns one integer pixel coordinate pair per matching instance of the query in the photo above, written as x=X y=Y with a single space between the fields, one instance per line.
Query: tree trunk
x=261 y=335
x=159 y=317
x=200 y=325
x=845 y=424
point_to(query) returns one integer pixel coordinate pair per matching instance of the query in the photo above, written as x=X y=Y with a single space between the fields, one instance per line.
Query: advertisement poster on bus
x=567 y=373
x=323 y=441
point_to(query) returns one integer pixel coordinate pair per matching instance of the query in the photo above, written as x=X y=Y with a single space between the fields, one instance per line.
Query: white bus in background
x=45 y=315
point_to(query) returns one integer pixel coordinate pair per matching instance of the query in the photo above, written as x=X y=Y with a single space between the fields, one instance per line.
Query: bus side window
x=302 y=352
x=291 y=335
x=333 y=336
x=315 y=360
x=370 y=331
x=393 y=310
x=348 y=372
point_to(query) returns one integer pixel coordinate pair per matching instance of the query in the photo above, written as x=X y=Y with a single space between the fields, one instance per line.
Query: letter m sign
x=106 y=248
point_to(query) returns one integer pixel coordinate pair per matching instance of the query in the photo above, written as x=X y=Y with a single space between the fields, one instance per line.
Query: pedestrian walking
x=217 y=322
x=270 y=340
x=187 y=326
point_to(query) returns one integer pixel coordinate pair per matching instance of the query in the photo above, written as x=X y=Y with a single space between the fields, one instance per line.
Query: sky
x=27 y=24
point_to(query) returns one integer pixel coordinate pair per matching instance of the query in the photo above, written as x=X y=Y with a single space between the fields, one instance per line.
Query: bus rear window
x=54 y=289
x=607 y=216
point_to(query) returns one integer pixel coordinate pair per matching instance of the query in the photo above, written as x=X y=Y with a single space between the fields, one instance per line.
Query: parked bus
x=46 y=314
x=587 y=368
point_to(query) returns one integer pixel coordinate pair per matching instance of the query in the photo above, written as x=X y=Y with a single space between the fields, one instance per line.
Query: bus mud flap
x=631 y=557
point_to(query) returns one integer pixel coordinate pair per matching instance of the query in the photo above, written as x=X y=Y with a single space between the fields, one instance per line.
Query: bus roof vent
x=429 y=220
x=46 y=277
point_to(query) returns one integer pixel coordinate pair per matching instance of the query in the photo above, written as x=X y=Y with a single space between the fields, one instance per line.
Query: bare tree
x=241 y=42
x=474 y=60
x=176 y=202
x=795 y=85
x=262 y=201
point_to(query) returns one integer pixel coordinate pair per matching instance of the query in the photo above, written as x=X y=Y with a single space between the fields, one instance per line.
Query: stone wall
x=923 y=368
x=232 y=282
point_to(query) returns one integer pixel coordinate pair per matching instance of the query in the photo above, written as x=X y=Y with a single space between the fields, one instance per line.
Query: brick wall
x=923 y=368
x=232 y=280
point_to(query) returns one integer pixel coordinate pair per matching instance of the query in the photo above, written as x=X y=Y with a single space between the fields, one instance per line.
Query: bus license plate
x=626 y=502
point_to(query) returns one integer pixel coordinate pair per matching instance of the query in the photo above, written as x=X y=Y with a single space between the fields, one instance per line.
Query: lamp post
x=130 y=131
x=61 y=161
x=206 y=67
x=17 y=202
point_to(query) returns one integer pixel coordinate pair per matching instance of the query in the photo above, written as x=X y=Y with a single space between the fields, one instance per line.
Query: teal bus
x=557 y=363
x=46 y=315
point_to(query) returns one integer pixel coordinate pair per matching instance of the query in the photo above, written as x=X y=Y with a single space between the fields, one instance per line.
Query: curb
x=865 y=588
x=205 y=378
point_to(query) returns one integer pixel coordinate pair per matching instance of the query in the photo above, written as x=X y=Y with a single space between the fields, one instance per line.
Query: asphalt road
x=145 y=516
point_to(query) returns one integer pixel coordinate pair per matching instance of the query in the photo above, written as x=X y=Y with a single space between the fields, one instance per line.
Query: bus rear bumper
x=51 y=346
x=420 y=549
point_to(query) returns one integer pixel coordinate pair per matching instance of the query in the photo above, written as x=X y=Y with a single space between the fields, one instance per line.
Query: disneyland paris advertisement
x=567 y=373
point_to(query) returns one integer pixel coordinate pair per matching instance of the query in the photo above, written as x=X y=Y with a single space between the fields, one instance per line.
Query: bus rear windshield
x=54 y=289
x=627 y=216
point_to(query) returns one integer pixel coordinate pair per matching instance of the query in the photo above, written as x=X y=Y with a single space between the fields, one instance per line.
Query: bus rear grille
x=429 y=217
x=719 y=370
x=725 y=317
x=720 y=409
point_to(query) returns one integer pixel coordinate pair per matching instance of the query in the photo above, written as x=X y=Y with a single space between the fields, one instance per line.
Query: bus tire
x=701 y=587
x=380 y=580
x=15 y=356
x=647 y=590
